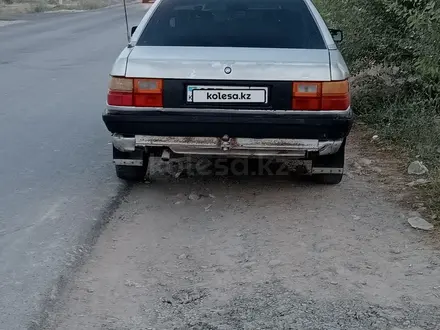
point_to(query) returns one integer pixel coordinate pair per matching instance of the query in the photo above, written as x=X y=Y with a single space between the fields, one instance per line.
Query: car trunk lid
x=246 y=63
x=264 y=76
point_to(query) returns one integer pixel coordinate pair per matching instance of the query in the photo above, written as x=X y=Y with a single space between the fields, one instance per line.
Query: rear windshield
x=233 y=23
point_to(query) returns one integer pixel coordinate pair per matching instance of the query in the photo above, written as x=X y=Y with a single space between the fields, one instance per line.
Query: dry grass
x=410 y=126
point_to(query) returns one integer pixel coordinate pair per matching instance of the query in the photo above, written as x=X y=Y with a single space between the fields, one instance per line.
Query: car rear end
x=233 y=78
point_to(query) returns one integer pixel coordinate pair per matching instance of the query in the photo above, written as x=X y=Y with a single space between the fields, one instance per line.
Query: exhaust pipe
x=165 y=155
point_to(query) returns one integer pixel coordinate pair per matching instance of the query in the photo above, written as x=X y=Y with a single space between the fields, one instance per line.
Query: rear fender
x=120 y=65
x=338 y=67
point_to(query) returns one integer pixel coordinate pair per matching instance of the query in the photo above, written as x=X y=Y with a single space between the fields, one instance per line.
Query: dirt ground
x=259 y=253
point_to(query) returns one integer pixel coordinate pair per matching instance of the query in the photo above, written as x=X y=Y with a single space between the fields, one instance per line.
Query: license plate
x=226 y=94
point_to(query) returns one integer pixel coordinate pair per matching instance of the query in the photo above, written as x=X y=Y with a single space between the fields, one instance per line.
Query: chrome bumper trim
x=226 y=146
x=348 y=112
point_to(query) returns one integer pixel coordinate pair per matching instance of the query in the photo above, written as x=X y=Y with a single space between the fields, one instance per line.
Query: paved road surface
x=55 y=170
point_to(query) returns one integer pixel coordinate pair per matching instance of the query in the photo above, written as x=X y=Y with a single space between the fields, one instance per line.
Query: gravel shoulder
x=257 y=253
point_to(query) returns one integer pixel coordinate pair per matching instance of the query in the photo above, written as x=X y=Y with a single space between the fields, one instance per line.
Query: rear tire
x=131 y=173
x=336 y=160
x=328 y=179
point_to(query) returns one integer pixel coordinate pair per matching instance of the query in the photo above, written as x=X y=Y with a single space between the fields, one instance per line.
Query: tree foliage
x=393 y=48
x=404 y=33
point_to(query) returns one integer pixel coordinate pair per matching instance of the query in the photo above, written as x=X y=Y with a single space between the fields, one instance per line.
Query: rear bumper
x=257 y=124
x=228 y=147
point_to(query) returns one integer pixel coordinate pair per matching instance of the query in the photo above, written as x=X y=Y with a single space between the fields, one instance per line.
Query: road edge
x=51 y=298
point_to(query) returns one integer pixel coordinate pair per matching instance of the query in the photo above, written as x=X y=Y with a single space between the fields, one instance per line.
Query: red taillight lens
x=335 y=95
x=120 y=99
x=148 y=100
x=120 y=92
x=315 y=96
x=306 y=96
x=135 y=92
x=148 y=93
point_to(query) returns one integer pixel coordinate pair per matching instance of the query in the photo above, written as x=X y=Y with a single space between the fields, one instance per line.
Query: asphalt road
x=57 y=183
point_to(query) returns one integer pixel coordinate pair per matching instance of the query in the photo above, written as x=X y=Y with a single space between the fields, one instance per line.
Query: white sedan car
x=231 y=78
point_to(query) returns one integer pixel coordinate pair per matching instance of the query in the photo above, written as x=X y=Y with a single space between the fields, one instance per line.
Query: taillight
x=316 y=96
x=135 y=92
x=120 y=92
x=306 y=96
x=335 y=95
x=148 y=93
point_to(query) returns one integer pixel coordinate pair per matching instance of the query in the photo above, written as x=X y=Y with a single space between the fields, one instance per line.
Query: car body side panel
x=120 y=65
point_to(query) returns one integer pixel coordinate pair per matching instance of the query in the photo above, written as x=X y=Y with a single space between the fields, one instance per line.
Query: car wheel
x=336 y=160
x=329 y=179
x=131 y=173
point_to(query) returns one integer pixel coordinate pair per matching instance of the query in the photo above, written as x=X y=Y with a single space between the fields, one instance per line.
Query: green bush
x=393 y=50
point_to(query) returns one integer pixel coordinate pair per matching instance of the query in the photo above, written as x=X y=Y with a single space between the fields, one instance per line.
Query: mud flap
x=135 y=158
